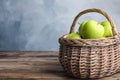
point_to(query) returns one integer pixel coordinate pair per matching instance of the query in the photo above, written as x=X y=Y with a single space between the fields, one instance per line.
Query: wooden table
x=35 y=66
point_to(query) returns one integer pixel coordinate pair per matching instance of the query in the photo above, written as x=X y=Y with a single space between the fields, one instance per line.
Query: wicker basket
x=90 y=58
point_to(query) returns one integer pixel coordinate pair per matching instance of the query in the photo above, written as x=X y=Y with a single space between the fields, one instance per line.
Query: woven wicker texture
x=90 y=58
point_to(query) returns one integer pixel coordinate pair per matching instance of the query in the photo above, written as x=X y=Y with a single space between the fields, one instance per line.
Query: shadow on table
x=63 y=75
x=57 y=71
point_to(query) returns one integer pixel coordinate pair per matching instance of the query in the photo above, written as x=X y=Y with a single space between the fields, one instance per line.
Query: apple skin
x=92 y=30
x=103 y=38
x=107 y=28
x=73 y=35
x=81 y=27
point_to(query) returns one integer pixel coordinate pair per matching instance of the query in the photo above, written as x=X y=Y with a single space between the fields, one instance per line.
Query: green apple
x=92 y=30
x=81 y=27
x=107 y=28
x=73 y=35
x=102 y=37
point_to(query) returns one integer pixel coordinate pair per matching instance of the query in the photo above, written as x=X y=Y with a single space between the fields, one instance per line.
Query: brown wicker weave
x=90 y=58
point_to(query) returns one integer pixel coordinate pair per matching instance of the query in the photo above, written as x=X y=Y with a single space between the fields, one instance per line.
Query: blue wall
x=37 y=24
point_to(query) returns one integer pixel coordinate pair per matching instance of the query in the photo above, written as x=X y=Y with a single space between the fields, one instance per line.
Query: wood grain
x=39 y=65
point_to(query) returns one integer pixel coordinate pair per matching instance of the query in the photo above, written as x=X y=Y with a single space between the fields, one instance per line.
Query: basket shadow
x=57 y=71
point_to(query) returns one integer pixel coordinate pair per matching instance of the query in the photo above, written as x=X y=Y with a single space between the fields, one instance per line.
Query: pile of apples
x=91 y=29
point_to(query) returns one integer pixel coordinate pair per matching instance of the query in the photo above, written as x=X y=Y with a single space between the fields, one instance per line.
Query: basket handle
x=98 y=11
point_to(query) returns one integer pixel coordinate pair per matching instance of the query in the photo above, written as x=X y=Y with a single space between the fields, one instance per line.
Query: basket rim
x=90 y=42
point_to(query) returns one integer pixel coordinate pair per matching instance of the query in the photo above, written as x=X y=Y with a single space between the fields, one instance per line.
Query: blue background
x=37 y=24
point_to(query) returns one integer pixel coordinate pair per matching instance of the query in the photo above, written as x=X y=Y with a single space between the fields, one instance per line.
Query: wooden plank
x=40 y=65
x=29 y=53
